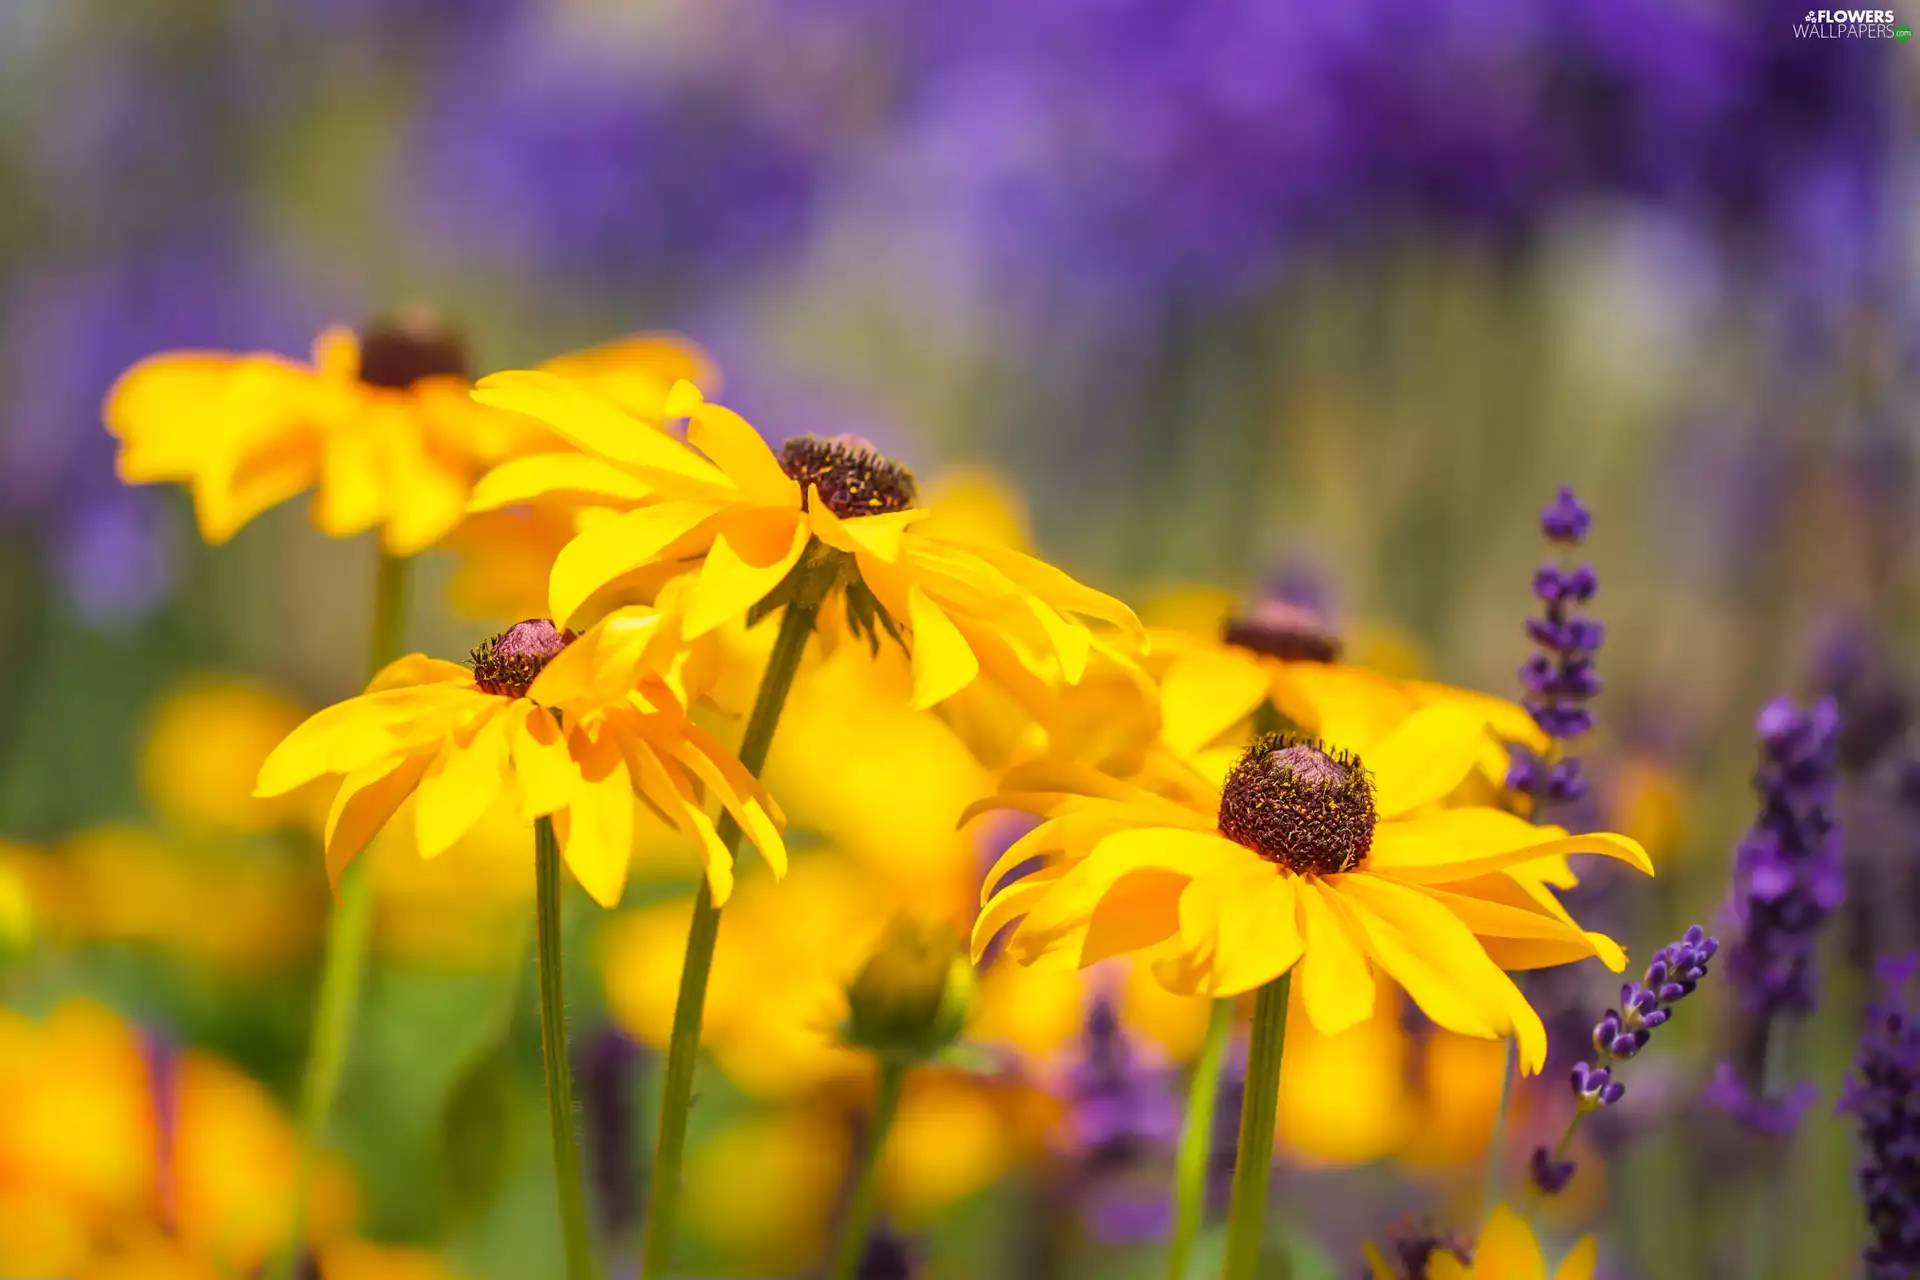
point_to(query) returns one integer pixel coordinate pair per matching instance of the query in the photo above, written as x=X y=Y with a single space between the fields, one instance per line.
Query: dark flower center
x=1295 y=802
x=853 y=477
x=399 y=352
x=506 y=664
x=1282 y=629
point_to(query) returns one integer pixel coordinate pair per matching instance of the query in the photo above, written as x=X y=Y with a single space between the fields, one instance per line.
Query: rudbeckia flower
x=1285 y=656
x=1308 y=855
x=736 y=517
x=380 y=424
x=581 y=725
x=1506 y=1250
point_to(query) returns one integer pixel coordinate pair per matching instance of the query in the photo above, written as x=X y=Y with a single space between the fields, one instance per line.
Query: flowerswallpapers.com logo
x=1852 y=24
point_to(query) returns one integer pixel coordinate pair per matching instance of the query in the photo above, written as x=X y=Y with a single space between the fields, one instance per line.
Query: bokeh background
x=1199 y=298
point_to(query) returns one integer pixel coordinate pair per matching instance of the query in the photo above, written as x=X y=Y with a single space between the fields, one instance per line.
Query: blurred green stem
x=1253 y=1159
x=343 y=968
x=1497 y=1142
x=553 y=1052
x=1196 y=1140
x=866 y=1183
x=683 y=1046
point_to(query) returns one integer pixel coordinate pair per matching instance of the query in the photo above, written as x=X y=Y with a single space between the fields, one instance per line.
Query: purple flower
x=608 y=1064
x=1883 y=1093
x=888 y=1256
x=1671 y=976
x=1122 y=1119
x=1788 y=873
x=1560 y=678
x=1773 y=1117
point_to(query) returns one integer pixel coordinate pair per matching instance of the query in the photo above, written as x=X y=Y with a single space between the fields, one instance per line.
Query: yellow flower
x=1308 y=855
x=380 y=424
x=205 y=741
x=1506 y=1250
x=735 y=517
x=581 y=725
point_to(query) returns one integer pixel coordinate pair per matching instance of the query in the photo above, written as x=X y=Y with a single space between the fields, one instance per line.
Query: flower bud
x=909 y=1000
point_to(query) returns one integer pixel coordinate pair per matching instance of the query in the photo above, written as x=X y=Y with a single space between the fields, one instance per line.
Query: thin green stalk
x=553 y=1052
x=683 y=1045
x=1497 y=1142
x=1253 y=1159
x=343 y=968
x=866 y=1182
x=1196 y=1140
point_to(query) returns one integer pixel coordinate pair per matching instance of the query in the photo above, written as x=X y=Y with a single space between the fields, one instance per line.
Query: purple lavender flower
x=1559 y=678
x=1884 y=1094
x=1123 y=1118
x=608 y=1064
x=888 y=1256
x=1788 y=873
x=1414 y=1246
x=1671 y=976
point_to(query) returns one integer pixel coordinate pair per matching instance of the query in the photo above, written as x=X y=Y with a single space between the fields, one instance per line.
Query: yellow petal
x=943 y=663
x=1010 y=904
x=878 y=536
x=744 y=803
x=1345 y=706
x=600 y=820
x=1444 y=1266
x=361 y=731
x=574 y=476
x=418 y=669
x=461 y=783
x=1463 y=843
x=1579 y=1264
x=364 y=803
x=1057 y=588
x=1206 y=692
x=1507 y=1249
x=730 y=441
x=1079 y=891
x=610 y=548
x=746 y=562
x=1547 y=934
x=1377 y=1268
x=1141 y=910
x=1426 y=757
x=597 y=426
x=1336 y=982
x=1247 y=919
x=636 y=372
x=541 y=762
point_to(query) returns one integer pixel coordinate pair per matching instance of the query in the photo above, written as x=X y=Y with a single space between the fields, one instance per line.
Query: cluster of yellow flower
x=1215 y=812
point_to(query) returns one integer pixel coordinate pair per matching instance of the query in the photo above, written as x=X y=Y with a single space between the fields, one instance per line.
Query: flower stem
x=866 y=1183
x=683 y=1046
x=1497 y=1140
x=1196 y=1140
x=341 y=971
x=1253 y=1160
x=553 y=1051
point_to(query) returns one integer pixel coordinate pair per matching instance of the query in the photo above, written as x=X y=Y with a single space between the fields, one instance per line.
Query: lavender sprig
x=1673 y=974
x=1559 y=678
x=1884 y=1093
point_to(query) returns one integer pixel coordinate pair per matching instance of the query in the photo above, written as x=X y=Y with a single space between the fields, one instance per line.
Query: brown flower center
x=1282 y=629
x=854 y=478
x=399 y=352
x=506 y=664
x=1300 y=804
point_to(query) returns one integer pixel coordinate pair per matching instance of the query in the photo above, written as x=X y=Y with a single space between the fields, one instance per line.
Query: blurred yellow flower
x=1460 y=1081
x=122 y=885
x=456 y=735
x=1308 y=856
x=107 y=1140
x=726 y=503
x=363 y=1260
x=204 y=743
x=795 y=1161
x=380 y=424
x=1344 y=1098
x=948 y=1141
x=1506 y=1250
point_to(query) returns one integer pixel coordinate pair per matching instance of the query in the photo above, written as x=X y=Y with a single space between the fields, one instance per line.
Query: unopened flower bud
x=910 y=998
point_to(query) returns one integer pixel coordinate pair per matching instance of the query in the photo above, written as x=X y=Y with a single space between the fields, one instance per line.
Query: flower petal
x=1247 y=920
x=610 y=548
x=462 y=781
x=1336 y=982
x=943 y=664
x=1579 y=1264
x=746 y=562
x=574 y=476
x=597 y=426
x=366 y=800
x=1427 y=756
x=1206 y=692
x=541 y=762
x=731 y=442
x=1462 y=843
x=1507 y=1249
x=362 y=731
x=599 y=820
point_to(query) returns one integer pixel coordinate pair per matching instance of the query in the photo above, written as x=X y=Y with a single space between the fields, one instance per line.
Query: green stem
x=1497 y=1141
x=1253 y=1160
x=343 y=968
x=1196 y=1140
x=866 y=1183
x=683 y=1046
x=553 y=1051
